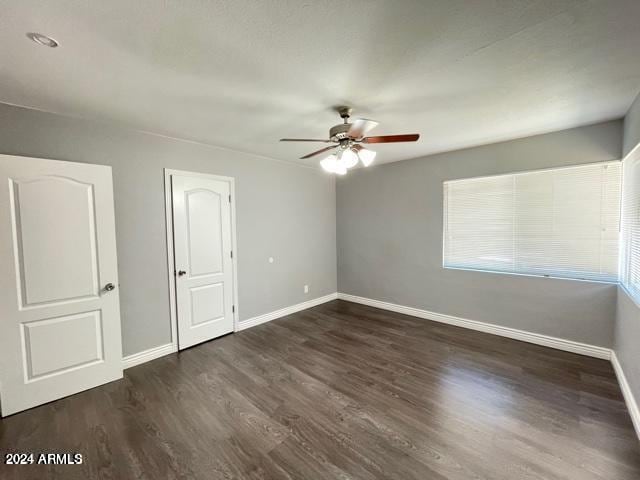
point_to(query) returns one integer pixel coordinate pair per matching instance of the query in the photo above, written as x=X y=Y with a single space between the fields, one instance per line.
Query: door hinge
x=229 y=198
x=231 y=253
x=233 y=309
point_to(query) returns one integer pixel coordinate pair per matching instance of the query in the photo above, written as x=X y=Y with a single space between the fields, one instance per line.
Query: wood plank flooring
x=342 y=391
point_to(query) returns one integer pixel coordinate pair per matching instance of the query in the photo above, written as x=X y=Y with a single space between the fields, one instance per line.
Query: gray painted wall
x=389 y=227
x=627 y=340
x=627 y=330
x=632 y=127
x=283 y=210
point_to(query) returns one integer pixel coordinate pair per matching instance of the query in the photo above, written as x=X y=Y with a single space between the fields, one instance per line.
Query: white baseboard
x=538 y=339
x=148 y=355
x=630 y=400
x=267 y=317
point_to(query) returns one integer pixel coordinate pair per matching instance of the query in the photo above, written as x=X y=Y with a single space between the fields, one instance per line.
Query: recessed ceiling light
x=42 y=40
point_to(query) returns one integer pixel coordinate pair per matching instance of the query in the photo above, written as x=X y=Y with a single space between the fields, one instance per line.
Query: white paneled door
x=202 y=227
x=59 y=307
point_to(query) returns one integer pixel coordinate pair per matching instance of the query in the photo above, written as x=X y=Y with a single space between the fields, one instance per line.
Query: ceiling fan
x=347 y=139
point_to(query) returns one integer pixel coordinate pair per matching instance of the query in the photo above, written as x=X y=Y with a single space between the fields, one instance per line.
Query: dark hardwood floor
x=342 y=391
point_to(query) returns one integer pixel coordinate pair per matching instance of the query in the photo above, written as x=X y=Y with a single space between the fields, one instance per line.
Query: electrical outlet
x=306 y=289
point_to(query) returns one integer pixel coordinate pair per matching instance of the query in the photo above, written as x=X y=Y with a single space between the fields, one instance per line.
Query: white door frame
x=170 y=252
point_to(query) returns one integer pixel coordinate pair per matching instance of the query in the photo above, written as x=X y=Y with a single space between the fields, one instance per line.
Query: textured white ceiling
x=242 y=74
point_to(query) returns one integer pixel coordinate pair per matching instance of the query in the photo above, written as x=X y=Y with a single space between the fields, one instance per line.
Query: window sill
x=498 y=272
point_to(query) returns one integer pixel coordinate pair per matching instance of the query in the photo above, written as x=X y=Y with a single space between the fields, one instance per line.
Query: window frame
x=617 y=281
x=624 y=265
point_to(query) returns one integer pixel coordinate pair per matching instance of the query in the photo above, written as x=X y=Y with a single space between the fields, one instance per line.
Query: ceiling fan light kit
x=348 y=138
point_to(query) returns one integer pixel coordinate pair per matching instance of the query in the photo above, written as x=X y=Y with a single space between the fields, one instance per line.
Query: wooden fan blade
x=360 y=127
x=318 y=152
x=412 y=137
x=303 y=140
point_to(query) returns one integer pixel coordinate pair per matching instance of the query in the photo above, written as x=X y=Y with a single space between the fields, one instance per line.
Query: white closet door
x=59 y=307
x=203 y=258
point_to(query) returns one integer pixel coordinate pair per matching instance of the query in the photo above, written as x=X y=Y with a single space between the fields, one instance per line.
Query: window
x=561 y=222
x=630 y=232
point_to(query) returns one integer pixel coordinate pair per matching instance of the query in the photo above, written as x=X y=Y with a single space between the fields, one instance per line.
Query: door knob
x=181 y=272
x=109 y=286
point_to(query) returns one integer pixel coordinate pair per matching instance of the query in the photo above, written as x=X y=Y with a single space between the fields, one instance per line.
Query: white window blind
x=630 y=231
x=561 y=222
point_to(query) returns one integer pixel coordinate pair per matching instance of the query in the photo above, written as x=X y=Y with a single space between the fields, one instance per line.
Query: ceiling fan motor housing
x=339 y=132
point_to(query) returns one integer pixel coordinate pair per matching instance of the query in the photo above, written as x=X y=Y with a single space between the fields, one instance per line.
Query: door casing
x=173 y=307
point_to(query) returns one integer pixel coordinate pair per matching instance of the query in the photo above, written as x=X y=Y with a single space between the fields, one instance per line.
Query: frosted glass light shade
x=340 y=168
x=349 y=158
x=330 y=164
x=366 y=156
